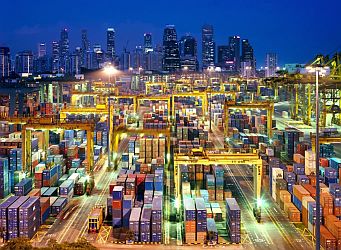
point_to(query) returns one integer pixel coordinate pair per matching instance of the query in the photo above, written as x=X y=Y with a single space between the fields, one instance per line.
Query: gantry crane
x=224 y=159
x=118 y=131
x=152 y=84
x=235 y=86
x=55 y=125
x=203 y=96
x=268 y=106
x=323 y=140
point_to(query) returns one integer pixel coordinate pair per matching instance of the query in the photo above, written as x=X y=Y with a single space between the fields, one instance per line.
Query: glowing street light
x=110 y=70
x=319 y=71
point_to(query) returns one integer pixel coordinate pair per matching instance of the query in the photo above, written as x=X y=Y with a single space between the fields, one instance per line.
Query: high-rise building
x=148 y=43
x=125 y=61
x=24 y=62
x=248 y=60
x=5 y=62
x=55 y=57
x=234 y=43
x=225 y=58
x=98 y=57
x=85 y=47
x=188 y=53
x=64 y=47
x=208 y=46
x=42 y=49
x=138 y=57
x=154 y=59
x=270 y=64
x=111 y=44
x=76 y=61
x=171 y=57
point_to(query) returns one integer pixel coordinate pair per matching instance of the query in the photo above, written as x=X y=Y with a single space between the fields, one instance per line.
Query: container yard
x=176 y=163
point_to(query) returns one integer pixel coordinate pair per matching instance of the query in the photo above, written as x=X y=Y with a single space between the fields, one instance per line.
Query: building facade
x=171 y=56
x=5 y=62
x=208 y=46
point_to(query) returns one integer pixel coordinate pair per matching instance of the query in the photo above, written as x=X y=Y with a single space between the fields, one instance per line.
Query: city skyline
x=255 y=27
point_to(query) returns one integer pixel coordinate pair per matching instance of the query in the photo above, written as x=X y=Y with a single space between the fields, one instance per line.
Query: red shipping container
x=324 y=162
x=310 y=189
x=328 y=241
x=116 y=204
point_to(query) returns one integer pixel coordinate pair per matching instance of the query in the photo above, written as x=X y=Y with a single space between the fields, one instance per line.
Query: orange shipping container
x=294 y=214
x=327 y=203
x=328 y=241
x=190 y=227
x=310 y=189
x=300 y=191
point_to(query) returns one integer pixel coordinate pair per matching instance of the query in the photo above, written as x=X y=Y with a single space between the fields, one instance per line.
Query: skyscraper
x=247 y=58
x=24 y=62
x=5 y=62
x=55 y=57
x=138 y=57
x=85 y=47
x=171 y=57
x=111 y=44
x=148 y=44
x=41 y=49
x=225 y=58
x=125 y=61
x=270 y=64
x=76 y=61
x=208 y=46
x=64 y=48
x=188 y=53
x=234 y=42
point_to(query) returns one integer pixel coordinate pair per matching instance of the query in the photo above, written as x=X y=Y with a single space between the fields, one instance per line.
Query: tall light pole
x=210 y=69
x=317 y=70
x=110 y=70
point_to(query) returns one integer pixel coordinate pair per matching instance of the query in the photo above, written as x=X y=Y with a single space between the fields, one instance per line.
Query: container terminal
x=186 y=160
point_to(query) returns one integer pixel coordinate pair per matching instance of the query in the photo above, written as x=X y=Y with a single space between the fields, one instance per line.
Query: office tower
x=76 y=61
x=188 y=53
x=270 y=64
x=248 y=64
x=225 y=58
x=85 y=47
x=98 y=57
x=208 y=46
x=234 y=43
x=171 y=57
x=55 y=57
x=125 y=61
x=24 y=62
x=111 y=44
x=64 y=48
x=154 y=59
x=138 y=57
x=5 y=62
x=41 y=49
x=42 y=64
x=148 y=44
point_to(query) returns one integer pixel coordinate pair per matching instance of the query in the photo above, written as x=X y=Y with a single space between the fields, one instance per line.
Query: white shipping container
x=270 y=152
x=309 y=155
x=277 y=173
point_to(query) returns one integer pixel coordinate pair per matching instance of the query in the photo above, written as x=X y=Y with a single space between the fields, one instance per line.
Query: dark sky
x=295 y=29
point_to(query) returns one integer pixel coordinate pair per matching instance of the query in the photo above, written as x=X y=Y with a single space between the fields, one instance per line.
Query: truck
x=95 y=219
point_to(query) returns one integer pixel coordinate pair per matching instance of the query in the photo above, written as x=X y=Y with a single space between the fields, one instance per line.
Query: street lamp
x=318 y=70
x=210 y=70
x=109 y=135
x=110 y=70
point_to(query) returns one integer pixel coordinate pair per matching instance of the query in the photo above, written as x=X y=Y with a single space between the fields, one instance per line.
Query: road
x=75 y=226
x=275 y=230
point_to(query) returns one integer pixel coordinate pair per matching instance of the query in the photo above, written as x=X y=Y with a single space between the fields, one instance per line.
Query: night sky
x=296 y=29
